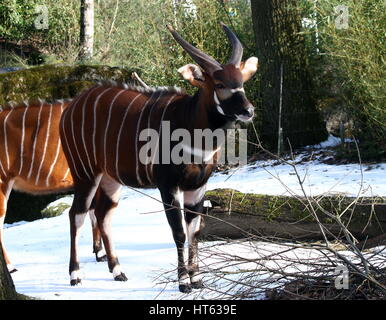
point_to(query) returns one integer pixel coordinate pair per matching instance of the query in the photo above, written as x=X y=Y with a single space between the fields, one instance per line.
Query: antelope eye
x=219 y=86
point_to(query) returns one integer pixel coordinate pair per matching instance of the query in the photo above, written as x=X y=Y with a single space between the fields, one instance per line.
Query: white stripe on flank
x=65 y=113
x=76 y=145
x=45 y=145
x=94 y=132
x=35 y=140
x=136 y=140
x=119 y=137
x=83 y=117
x=148 y=133
x=56 y=155
x=22 y=140
x=107 y=127
x=67 y=173
x=159 y=134
x=5 y=137
x=64 y=118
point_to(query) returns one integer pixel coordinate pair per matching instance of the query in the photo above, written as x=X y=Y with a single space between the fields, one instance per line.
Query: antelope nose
x=249 y=111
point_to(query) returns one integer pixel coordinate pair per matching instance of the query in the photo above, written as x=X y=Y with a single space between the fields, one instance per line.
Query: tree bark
x=7 y=288
x=281 y=51
x=86 y=29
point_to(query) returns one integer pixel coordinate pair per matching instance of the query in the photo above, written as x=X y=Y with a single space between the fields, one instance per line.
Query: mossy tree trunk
x=285 y=76
x=7 y=288
x=238 y=215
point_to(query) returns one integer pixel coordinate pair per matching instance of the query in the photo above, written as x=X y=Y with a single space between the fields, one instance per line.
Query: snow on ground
x=40 y=249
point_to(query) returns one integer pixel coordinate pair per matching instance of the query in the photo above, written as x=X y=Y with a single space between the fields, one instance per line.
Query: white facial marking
x=241 y=89
x=220 y=110
x=216 y=100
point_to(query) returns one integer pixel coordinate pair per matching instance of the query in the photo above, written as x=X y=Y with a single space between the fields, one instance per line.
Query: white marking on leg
x=22 y=140
x=101 y=253
x=10 y=267
x=119 y=138
x=35 y=140
x=107 y=127
x=196 y=277
x=75 y=275
x=193 y=227
x=193 y=197
x=45 y=145
x=185 y=279
x=117 y=270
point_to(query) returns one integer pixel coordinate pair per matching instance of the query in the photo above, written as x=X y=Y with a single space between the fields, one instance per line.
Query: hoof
x=101 y=259
x=75 y=282
x=198 y=285
x=185 y=288
x=120 y=277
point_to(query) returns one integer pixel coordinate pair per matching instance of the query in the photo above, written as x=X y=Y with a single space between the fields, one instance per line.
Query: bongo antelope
x=100 y=133
x=32 y=159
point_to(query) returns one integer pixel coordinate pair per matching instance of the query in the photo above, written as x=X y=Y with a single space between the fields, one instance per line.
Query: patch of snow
x=143 y=240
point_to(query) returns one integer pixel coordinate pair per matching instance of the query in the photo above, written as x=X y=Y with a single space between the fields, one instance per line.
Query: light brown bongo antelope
x=32 y=159
x=100 y=133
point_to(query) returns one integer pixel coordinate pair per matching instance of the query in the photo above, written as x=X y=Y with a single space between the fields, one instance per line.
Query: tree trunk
x=237 y=215
x=86 y=29
x=285 y=76
x=7 y=288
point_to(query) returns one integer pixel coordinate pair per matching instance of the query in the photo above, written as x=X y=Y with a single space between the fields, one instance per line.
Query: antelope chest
x=194 y=176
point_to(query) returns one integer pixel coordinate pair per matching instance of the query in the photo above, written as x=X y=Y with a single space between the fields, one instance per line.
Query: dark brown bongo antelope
x=32 y=159
x=100 y=135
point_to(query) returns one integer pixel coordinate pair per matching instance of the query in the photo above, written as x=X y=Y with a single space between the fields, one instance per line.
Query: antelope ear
x=248 y=68
x=193 y=74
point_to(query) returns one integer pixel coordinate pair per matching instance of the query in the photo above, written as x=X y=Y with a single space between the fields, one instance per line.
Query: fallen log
x=236 y=215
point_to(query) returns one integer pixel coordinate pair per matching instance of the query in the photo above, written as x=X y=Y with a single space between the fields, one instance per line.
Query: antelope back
x=101 y=129
x=30 y=148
